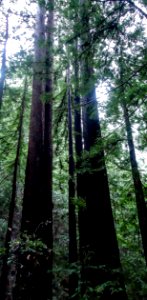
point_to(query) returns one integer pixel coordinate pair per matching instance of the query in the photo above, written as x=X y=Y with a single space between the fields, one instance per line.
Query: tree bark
x=36 y=273
x=29 y=272
x=32 y=190
x=102 y=262
x=47 y=205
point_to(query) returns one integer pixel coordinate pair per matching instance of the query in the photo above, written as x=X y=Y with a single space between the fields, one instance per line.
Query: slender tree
x=3 y=65
x=138 y=188
x=73 y=280
x=80 y=182
x=5 y=288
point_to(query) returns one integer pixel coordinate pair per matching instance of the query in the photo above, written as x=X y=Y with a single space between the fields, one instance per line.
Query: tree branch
x=138 y=8
x=128 y=1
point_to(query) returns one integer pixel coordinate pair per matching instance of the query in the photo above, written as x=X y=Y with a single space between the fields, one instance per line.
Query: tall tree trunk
x=3 y=67
x=36 y=274
x=32 y=190
x=5 y=288
x=139 y=194
x=138 y=188
x=47 y=205
x=73 y=279
x=102 y=265
x=80 y=182
x=29 y=274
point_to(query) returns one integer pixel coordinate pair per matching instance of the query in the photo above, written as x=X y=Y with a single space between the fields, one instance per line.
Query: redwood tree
x=102 y=261
x=46 y=234
x=35 y=276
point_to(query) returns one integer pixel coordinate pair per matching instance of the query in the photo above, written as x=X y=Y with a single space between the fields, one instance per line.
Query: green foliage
x=79 y=202
x=31 y=245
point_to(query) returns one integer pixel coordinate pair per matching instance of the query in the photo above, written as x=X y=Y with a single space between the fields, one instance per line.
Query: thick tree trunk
x=28 y=274
x=37 y=209
x=3 y=67
x=32 y=191
x=47 y=205
x=5 y=288
x=35 y=276
x=140 y=200
x=102 y=261
x=73 y=278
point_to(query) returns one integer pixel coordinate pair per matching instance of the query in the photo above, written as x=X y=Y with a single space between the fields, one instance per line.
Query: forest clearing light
x=20 y=36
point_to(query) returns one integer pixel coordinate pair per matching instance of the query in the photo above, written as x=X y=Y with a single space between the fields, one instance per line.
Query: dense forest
x=73 y=141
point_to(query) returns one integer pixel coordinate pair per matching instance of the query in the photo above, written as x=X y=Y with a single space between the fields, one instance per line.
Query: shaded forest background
x=73 y=140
